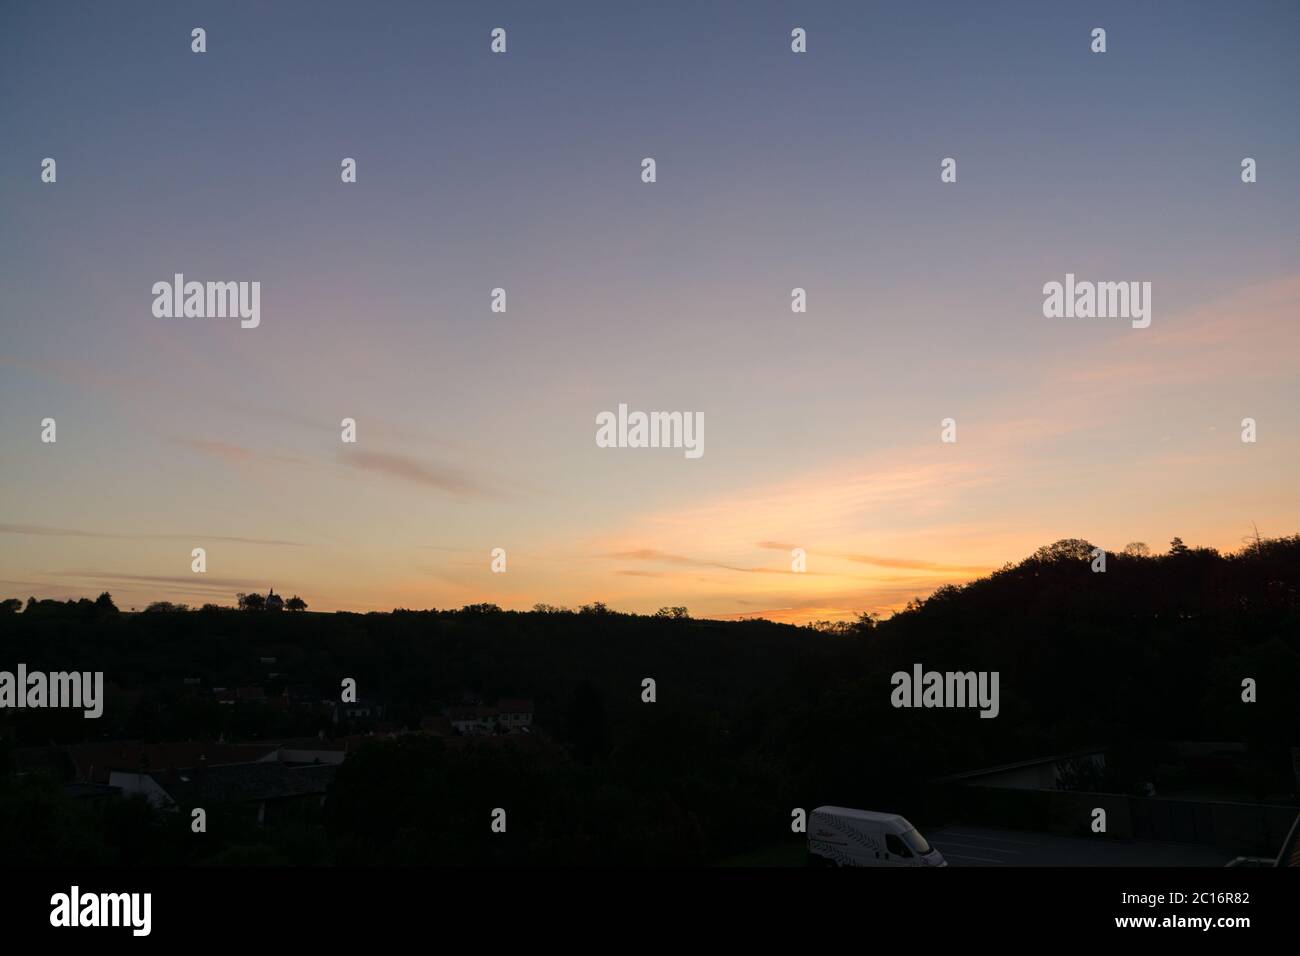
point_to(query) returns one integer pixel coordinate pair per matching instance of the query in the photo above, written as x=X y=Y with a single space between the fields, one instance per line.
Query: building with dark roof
x=266 y=788
x=95 y=762
x=1290 y=853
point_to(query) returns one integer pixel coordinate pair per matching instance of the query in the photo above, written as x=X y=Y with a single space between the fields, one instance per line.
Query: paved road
x=984 y=846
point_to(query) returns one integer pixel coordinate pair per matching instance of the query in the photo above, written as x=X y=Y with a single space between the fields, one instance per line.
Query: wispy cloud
x=229 y=452
x=1249 y=332
x=405 y=468
x=191 y=582
x=145 y=588
x=883 y=562
x=46 y=531
x=652 y=554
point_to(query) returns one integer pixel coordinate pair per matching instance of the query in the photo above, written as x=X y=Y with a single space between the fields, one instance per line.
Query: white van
x=839 y=836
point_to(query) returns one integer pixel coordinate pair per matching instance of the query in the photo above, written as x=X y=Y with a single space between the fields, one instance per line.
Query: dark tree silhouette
x=1066 y=548
x=759 y=717
x=165 y=607
x=251 y=602
x=584 y=724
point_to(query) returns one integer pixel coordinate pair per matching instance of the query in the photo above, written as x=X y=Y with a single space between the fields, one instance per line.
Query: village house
x=510 y=714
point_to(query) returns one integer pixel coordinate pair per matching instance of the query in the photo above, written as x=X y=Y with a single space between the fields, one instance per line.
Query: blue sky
x=775 y=170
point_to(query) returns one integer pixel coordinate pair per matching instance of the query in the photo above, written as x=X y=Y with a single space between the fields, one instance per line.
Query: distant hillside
x=751 y=717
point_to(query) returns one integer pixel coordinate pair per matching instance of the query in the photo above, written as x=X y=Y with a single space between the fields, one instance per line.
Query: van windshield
x=917 y=842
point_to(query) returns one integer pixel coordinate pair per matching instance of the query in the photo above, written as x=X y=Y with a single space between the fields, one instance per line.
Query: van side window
x=894 y=845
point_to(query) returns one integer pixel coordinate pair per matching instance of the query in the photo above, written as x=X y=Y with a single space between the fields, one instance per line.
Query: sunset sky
x=775 y=170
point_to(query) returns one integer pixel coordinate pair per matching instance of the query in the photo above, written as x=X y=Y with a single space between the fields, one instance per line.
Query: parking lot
x=985 y=846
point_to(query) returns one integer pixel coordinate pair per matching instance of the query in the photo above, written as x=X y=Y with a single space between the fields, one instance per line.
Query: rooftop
x=241 y=783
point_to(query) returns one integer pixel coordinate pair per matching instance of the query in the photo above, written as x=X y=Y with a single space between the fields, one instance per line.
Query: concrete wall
x=1246 y=828
x=1051 y=811
x=141 y=783
x=1242 y=828
x=1044 y=775
x=308 y=756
